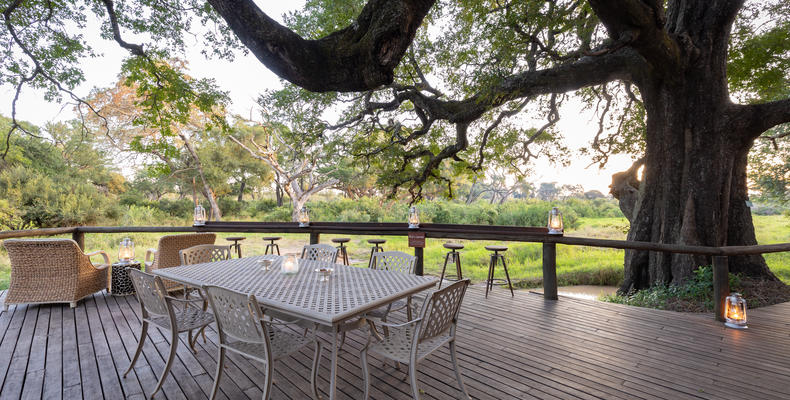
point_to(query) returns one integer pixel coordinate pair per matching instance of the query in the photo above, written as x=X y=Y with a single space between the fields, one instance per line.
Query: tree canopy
x=427 y=88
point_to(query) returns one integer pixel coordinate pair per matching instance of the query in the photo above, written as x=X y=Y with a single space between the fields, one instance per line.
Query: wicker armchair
x=166 y=255
x=52 y=271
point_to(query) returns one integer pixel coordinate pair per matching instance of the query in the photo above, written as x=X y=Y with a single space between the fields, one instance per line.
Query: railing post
x=418 y=267
x=315 y=237
x=79 y=237
x=549 y=271
x=721 y=285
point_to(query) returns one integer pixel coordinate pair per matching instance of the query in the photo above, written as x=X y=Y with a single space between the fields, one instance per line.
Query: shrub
x=145 y=216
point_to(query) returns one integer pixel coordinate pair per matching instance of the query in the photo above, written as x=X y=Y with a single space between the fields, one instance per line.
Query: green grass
x=575 y=264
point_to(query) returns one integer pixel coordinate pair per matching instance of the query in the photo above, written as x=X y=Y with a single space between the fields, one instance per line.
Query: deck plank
x=522 y=347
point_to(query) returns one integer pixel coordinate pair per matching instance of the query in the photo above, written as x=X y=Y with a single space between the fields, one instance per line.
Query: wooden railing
x=447 y=231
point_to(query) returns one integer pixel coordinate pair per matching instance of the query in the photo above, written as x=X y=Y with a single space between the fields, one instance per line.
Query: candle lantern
x=735 y=311
x=304 y=217
x=555 y=221
x=126 y=251
x=200 y=216
x=414 y=218
x=290 y=265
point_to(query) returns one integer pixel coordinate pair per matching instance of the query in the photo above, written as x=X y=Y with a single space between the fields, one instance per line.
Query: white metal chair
x=157 y=308
x=393 y=261
x=204 y=253
x=320 y=252
x=243 y=329
x=410 y=342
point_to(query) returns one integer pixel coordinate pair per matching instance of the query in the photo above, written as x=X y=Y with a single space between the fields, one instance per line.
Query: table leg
x=333 y=361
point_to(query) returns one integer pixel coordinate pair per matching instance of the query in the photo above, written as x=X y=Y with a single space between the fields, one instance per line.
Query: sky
x=246 y=77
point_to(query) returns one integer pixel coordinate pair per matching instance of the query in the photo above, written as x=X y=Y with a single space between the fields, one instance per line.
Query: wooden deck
x=509 y=348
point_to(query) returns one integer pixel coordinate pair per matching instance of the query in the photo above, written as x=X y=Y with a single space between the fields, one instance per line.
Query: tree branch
x=584 y=72
x=135 y=49
x=641 y=25
x=359 y=57
x=758 y=118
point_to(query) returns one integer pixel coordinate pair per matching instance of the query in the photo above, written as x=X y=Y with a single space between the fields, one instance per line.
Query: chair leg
x=507 y=275
x=490 y=274
x=266 y=250
x=344 y=255
x=370 y=261
x=342 y=340
x=267 y=384
x=363 y=356
x=218 y=374
x=170 y=358
x=441 y=278
x=454 y=358
x=458 y=273
x=314 y=372
x=143 y=335
x=415 y=391
x=192 y=342
x=276 y=246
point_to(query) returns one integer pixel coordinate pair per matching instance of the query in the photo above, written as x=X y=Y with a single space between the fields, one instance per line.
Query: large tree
x=662 y=66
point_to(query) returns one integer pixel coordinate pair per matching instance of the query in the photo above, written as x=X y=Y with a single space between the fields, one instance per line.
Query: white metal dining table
x=348 y=294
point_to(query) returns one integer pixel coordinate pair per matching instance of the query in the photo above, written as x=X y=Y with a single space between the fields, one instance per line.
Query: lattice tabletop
x=350 y=291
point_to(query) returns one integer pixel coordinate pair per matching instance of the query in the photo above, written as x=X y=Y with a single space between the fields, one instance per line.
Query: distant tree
x=571 y=191
x=132 y=118
x=769 y=168
x=593 y=194
x=548 y=191
x=300 y=168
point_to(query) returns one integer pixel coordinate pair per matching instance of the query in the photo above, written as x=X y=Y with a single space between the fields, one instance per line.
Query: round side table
x=120 y=283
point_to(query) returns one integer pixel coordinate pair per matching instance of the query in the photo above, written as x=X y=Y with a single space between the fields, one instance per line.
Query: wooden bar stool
x=494 y=257
x=236 y=245
x=374 y=249
x=342 y=250
x=455 y=256
x=271 y=245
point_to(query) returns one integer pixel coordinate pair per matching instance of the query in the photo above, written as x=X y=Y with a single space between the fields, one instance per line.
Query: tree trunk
x=242 y=186
x=694 y=189
x=216 y=213
x=298 y=202
x=278 y=193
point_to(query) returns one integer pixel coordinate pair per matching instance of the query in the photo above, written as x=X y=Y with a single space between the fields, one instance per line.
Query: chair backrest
x=55 y=262
x=440 y=311
x=238 y=315
x=204 y=253
x=395 y=261
x=169 y=246
x=43 y=253
x=320 y=252
x=150 y=292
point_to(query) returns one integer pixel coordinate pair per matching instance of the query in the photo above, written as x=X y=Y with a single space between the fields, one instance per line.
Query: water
x=586 y=292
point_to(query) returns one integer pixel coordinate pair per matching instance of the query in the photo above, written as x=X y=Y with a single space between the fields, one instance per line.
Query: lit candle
x=126 y=250
x=735 y=311
x=414 y=218
x=290 y=265
x=555 y=222
x=304 y=217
